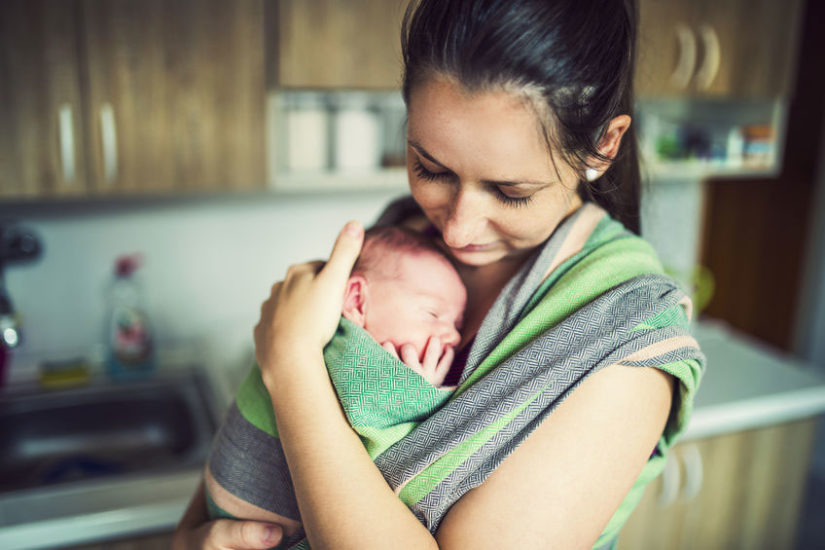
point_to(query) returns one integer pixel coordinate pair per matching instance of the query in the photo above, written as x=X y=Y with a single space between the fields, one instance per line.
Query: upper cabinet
x=337 y=43
x=41 y=121
x=118 y=96
x=717 y=48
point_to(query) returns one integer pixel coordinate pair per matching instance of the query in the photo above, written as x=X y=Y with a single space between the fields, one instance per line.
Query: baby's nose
x=450 y=335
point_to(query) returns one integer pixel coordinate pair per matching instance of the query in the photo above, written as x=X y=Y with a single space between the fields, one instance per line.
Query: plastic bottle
x=131 y=350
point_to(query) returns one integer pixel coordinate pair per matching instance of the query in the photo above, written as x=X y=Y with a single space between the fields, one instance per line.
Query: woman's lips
x=474 y=247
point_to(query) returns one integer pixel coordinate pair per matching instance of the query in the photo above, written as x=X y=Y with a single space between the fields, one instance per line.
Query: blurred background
x=162 y=162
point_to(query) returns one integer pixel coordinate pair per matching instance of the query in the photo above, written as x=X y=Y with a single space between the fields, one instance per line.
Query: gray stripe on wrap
x=250 y=464
x=597 y=335
x=508 y=308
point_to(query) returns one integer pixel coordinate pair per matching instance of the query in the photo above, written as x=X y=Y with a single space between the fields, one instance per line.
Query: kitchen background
x=224 y=141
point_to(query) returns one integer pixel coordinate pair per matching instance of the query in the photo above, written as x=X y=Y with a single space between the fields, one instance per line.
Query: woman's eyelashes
x=429 y=175
x=512 y=201
x=500 y=195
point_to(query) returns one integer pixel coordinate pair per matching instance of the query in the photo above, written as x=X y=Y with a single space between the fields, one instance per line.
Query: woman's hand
x=302 y=312
x=195 y=531
x=227 y=534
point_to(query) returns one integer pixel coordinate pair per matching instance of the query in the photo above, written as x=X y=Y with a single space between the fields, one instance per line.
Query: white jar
x=357 y=134
x=307 y=141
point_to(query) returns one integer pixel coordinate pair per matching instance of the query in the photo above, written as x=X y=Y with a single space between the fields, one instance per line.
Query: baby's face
x=425 y=298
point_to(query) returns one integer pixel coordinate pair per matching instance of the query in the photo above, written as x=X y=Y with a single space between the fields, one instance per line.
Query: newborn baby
x=406 y=294
x=403 y=301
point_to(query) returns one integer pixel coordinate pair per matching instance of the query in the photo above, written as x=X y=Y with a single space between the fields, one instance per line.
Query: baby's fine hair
x=394 y=239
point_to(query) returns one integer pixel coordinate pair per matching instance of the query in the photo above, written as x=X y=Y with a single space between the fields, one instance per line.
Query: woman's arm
x=343 y=498
x=562 y=485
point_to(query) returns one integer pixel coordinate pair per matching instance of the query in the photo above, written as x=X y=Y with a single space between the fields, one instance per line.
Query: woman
x=518 y=126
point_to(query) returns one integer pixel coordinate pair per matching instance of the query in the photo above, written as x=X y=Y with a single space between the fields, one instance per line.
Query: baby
x=406 y=294
x=403 y=308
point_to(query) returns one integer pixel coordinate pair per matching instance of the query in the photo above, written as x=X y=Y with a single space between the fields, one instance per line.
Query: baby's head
x=404 y=290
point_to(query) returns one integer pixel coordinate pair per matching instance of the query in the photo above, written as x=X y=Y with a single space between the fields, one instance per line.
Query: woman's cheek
x=430 y=196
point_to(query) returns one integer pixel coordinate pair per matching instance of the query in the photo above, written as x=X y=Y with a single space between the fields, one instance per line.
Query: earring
x=591 y=174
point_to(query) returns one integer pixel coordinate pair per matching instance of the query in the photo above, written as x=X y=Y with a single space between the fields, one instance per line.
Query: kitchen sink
x=105 y=430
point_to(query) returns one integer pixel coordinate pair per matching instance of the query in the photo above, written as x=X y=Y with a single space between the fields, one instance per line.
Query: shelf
x=387 y=179
x=694 y=169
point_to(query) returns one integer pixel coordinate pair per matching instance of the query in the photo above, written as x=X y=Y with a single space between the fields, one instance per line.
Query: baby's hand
x=435 y=365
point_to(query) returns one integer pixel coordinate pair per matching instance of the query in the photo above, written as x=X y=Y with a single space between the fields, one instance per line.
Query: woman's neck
x=484 y=284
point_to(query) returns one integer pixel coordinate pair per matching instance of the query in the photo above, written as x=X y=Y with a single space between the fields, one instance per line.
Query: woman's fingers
x=242 y=535
x=344 y=253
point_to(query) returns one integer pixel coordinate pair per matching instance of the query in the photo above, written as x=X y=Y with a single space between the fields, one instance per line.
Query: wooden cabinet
x=42 y=151
x=717 y=48
x=337 y=43
x=740 y=490
x=131 y=96
x=176 y=94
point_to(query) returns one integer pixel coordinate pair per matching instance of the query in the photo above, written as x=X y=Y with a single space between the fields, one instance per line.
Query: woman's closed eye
x=504 y=197
x=429 y=175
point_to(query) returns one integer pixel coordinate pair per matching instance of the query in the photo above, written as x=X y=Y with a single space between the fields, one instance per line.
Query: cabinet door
x=748 y=47
x=41 y=134
x=741 y=490
x=338 y=43
x=176 y=94
x=717 y=48
x=668 y=48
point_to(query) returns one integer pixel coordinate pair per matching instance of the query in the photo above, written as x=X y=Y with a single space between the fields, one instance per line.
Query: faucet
x=17 y=245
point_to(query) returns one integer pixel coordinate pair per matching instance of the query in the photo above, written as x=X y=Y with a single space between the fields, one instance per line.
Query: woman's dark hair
x=573 y=59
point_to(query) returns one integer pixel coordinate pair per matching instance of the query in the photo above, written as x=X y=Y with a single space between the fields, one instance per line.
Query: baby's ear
x=355 y=299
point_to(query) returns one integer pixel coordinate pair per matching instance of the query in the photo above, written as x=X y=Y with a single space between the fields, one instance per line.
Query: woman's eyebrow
x=424 y=153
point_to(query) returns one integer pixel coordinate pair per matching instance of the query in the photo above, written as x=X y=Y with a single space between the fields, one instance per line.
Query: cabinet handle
x=687 y=57
x=713 y=57
x=108 y=135
x=694 y=471
x=66 y=136
x=671 y=481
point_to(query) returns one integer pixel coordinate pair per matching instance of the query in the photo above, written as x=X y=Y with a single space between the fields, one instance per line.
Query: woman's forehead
x=492 y=129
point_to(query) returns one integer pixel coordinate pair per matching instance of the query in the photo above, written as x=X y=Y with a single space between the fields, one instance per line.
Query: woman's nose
x=463 y=221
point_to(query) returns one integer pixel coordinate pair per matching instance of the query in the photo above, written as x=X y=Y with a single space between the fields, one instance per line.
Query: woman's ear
x=355 y=300
x=608 y=146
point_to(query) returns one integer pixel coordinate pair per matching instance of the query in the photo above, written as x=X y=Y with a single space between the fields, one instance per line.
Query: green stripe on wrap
x=382 y=398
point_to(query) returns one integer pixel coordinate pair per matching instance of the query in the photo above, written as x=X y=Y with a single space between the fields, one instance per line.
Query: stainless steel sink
x=104 y=430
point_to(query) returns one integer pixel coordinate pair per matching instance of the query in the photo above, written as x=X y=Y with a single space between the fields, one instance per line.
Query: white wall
x=671 y=221
x=210 y=263
x=208 y=266
x=810 y=325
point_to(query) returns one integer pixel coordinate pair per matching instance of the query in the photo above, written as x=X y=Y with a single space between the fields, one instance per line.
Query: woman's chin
x=477 y=258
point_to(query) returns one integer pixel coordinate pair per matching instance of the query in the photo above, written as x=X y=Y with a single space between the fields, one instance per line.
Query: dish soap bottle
x=131 y=352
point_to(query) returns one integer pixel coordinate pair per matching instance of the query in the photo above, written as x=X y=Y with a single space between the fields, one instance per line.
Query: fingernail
x=353 y=228
x=269 y=534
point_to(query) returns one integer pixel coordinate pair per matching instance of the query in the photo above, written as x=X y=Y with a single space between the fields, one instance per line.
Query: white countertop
x=100 y=511
x=748 y=384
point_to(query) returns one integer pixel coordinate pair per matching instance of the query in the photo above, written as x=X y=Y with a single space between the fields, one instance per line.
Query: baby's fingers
x=391 y=349
x=445 y=363
x=431 y=354
x=410 y=358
